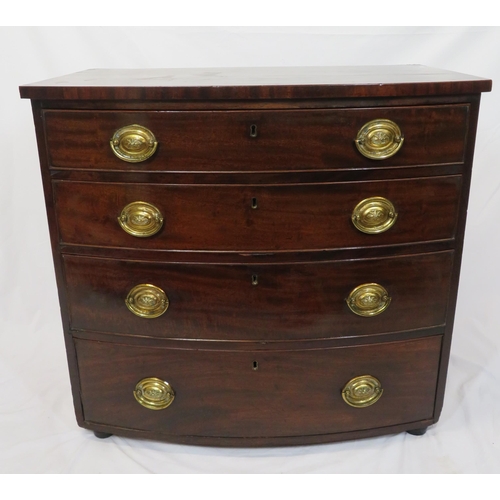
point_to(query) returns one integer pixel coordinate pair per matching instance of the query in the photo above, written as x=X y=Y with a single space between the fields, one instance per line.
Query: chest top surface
x=256 y=83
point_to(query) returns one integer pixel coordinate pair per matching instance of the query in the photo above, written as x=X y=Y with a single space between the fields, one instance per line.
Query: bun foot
x=418 y=432
x=102 y=435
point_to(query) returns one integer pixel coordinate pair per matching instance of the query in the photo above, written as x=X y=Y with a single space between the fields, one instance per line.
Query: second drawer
x=260 y=217
x=259 y=302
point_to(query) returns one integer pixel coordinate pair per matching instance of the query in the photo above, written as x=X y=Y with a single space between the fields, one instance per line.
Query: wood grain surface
x=291 y=393
x=257 y=252
x=290 y=301
x=287 y=217
x=256 y=83
x=220 y=141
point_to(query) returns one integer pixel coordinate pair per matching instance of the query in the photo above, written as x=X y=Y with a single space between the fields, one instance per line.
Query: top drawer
x=223 y=141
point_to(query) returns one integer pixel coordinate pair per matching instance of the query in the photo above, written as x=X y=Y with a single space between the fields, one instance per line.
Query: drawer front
x=262 y=302
x=258 y=394
x=254 y=140
x=257 y=218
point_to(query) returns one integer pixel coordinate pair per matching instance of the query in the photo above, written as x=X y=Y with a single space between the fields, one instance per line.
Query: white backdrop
x=38 y=431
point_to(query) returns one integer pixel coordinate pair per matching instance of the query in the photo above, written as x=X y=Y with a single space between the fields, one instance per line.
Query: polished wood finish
x=257 y=252
x=256 y=83
x=286 y=217
x=289 y=301
x=284 y=140
x=256 y=394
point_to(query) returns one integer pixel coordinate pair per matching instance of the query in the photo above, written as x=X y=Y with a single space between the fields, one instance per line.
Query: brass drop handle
x=362 y=391
x=154 y=393
x=140 y=219
x=133 y=143
x=147 y=301
x=379 y=139
x=374 y=215
x=369 y=299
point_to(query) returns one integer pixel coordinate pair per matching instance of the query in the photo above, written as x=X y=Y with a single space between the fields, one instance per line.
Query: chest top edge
x=255 y=83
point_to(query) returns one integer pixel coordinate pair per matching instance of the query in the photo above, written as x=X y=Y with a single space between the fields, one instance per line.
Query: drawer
x=261 y=302
x=258 y=394
x=256 y=218
x=252 y=140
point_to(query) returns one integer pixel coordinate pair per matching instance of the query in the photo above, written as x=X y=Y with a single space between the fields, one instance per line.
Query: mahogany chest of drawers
x=257 y=257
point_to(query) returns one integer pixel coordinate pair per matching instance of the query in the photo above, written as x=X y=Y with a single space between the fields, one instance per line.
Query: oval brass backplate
x=147 y=301
x=141 y=219
x=362 y=391
x=369 y=299
x=133 y=143
x=379 y=139
x=374 y=215
x=154 y=393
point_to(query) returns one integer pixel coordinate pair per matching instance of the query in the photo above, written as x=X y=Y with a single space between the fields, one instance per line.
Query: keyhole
x=254 y=203
x=255 y=365
x=253 y=130
x=255 y=279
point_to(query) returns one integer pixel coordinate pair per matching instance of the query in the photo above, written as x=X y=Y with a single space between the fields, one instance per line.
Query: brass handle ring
x=379 y=139
x=362 y=391
x=141 y=219
x=154 y=393
x=374 y=215
x=369 y=299
x=133 y=143
x=147 y=301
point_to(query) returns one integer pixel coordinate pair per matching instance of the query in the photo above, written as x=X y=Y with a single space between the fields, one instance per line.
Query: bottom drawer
x=258 y=393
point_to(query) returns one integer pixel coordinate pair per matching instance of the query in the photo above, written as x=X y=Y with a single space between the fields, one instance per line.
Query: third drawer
x=263 y=302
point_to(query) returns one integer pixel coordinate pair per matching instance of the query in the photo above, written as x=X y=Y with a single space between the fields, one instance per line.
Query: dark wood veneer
x=306 y=175
x=286 y=140
x=291 y=393
x=288 y=217
x=256 y=83
x=290 y=302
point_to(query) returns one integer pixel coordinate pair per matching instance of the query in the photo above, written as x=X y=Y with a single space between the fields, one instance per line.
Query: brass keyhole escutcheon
x=147 y=301
x=379 y=139
x=141 y=219
x=133 y=143
x=374 y=215
x=154 y=393
x=362 y=391
x=369 y=299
